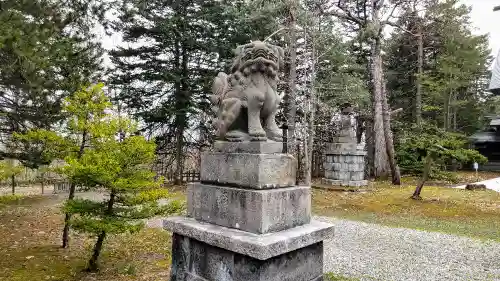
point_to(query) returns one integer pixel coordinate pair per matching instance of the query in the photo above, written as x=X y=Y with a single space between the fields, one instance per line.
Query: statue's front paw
x=236 y=136
x=257 y=134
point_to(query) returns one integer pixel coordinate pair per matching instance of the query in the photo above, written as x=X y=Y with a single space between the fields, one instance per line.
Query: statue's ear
x=237 y=60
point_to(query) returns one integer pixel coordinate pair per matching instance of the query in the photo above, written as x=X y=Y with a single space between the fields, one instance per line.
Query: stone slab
x=340 y=147
x=256 y=211
x=345 y=152
x=193 y=260
x=345 y=139
x=257 y=147
x=258 y=246
x=344 y=182
x=246 y=170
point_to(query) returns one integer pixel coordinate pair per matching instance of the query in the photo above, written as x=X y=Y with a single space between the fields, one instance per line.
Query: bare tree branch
x=274 y=33
x=393 y=24
x=394 y=7
x=345 y=14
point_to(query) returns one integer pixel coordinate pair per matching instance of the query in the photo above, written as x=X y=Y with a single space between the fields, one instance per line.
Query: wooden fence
x=191 y=176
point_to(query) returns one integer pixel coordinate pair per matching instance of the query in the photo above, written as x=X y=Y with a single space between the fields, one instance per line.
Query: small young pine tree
x=431 y=148
x=101 y=151
x=117 y=162
x=85 y=115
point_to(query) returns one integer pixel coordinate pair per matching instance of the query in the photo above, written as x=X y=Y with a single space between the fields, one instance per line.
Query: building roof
x=495 y=122
x=482 y=137
x=495 y=77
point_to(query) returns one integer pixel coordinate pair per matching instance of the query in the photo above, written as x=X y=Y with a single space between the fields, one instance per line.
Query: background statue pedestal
x=345 y=168
x=345 y=160
x=247 y=221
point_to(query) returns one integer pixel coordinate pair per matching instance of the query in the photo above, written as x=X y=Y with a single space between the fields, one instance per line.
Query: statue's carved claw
x=236 y=136
x=257 y=135
x=257 y=138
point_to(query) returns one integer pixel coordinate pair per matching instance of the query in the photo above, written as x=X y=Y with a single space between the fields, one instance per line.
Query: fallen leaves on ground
x=30 y=248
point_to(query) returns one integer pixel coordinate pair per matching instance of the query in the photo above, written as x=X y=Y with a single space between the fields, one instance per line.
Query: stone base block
x=247 y=170
x=193 y=260
x=345 y=139
x=358 y=158
x=333 y=148
x=344 y=182
x=345 y=175
x=257 y=246
x=257 y=147
x=256 y=211
x=344 y=167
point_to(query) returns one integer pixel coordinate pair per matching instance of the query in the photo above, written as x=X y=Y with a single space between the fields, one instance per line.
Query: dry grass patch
x=30 y=248
x=447 y=210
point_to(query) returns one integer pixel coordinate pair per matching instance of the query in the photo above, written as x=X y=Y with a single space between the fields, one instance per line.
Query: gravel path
x=374 y=252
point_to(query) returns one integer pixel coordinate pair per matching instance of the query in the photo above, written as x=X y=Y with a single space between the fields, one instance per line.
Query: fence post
x=284 y=127
x=299 y=165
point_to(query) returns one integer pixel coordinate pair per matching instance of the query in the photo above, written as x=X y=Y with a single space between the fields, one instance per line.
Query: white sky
x=483 y=18
x=486 y=21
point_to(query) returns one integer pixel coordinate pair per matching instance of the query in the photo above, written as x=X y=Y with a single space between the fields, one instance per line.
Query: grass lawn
x=30 y=248
x=468 y=213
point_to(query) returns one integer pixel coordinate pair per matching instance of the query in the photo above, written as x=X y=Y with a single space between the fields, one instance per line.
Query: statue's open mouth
x=260 y=54
x=261 y=58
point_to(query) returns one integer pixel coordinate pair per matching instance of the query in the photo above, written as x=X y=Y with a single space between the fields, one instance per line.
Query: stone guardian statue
x=247 y=98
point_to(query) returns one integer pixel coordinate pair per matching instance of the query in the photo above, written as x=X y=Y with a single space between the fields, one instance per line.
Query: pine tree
x=102 y=151
x=369 y=19
x=165 y=82
x=454 y=67
x=85 y=113
x=118 y=162
x=47 y=51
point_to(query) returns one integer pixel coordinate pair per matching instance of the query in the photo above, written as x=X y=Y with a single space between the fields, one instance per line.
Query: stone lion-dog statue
x=247 y=99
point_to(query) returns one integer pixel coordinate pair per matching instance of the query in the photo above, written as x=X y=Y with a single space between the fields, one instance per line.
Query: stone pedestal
x=247 y=221
x=345 y=160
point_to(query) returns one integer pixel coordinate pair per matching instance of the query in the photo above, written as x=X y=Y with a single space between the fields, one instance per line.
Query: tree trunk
x=389 y=141
x=454 y=109
x=292 y=76
x=381 y=168
x=94 y=260
x=179 y=159
x=425 y=177
x=370 y=148
x=71 y=196
x=13 y=184
x=182 y=103
x=309 y=148
x=447 y=110
x=418 y=96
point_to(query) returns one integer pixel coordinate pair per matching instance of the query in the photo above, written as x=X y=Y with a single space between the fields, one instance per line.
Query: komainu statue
x=247 y=99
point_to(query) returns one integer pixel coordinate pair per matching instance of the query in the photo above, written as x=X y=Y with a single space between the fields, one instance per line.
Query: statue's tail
x=229 y=110
x=219 y=88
